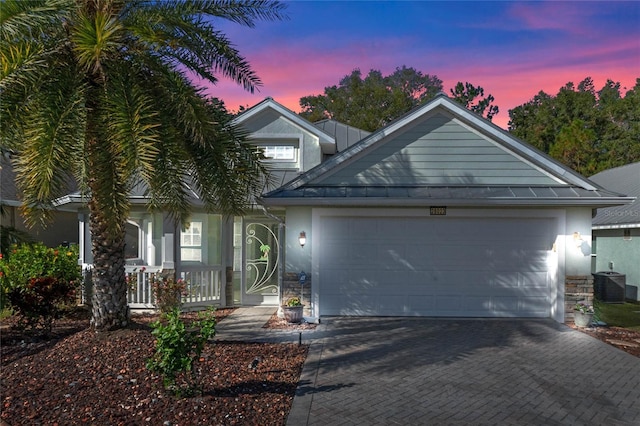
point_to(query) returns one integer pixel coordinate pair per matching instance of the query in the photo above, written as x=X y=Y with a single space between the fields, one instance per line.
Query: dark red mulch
x=78 y=377
x=621 y=338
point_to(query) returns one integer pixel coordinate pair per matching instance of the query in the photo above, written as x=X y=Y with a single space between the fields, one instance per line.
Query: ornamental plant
x=37 y=281
x=584 y=308
x=168 y=292
x=41 y=302
x=294 y=301
x=178 y=349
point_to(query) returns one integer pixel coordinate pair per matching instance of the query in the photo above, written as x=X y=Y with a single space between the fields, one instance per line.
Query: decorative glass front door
x=260 y=257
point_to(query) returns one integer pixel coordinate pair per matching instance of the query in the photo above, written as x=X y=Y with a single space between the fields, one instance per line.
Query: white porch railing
x=139 y=277
x=203 y=285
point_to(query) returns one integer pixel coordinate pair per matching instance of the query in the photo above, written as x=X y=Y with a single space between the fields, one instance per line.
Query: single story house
x=616 y=230
x=440 y=213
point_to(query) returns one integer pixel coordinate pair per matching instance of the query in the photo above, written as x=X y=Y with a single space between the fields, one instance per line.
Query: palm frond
x=19 y=17
x=184 y=34
x=53 y=132
x=133 y=125
x=95 y=38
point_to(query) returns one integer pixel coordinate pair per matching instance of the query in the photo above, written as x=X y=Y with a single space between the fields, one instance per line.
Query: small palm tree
x=95 y=94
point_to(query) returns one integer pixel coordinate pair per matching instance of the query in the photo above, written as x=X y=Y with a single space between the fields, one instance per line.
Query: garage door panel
x=536 y=280
x=534 y=306
x=450 y=302
x=441 y=267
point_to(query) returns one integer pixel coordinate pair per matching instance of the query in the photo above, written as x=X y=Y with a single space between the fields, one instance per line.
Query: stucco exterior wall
x=611 y=246
x=578 y=241
x=298 y=258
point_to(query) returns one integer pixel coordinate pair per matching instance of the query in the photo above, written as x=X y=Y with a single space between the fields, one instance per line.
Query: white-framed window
x=280 y=152
x=191 y=242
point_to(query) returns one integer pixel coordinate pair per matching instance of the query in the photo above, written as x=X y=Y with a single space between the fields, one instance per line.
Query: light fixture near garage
x=302 y=239
x=577 y=238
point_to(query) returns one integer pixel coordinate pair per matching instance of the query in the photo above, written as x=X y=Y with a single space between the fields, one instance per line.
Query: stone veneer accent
x=291 y=288
x=577 y=288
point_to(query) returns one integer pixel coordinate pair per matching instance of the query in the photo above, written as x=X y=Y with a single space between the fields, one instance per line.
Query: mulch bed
x=78 y=377
x=621 y=338
x=276 y=323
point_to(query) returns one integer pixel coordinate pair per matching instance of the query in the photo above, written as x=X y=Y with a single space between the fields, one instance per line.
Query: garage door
x=428 y=266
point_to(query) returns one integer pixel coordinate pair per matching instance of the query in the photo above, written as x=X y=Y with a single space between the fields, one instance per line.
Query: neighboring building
x=63 y=229
x=440 y=213
x=616 y=230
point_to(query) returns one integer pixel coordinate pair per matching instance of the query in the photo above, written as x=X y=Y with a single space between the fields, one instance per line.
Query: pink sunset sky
x=511 y=49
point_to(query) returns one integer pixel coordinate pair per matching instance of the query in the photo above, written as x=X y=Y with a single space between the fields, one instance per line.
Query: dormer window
x=280 y=152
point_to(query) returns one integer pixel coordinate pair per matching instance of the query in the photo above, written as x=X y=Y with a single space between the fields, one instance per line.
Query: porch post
x=169 y=229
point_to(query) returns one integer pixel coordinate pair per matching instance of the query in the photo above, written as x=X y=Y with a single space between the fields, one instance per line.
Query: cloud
x=524 y=48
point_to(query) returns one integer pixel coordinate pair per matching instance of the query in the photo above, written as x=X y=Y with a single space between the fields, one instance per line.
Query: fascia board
x=408 y=202
x=615 y=226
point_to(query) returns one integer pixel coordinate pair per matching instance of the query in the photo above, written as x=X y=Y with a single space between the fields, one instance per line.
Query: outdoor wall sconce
x=302 y=239
x=577 y=238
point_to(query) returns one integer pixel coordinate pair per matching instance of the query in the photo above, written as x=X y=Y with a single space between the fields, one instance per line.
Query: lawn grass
x=626 y=315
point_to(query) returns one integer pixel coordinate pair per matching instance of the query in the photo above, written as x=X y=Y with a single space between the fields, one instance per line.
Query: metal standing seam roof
x=344 y=134
x=458 y=195
x=624 y=179
x=575 y=189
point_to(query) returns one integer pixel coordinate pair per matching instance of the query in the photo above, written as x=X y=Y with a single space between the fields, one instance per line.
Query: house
x=616 y=230
x=63 y=229
x=440 y=213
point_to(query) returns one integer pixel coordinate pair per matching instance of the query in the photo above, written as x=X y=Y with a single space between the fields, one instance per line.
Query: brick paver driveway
x=415 y=371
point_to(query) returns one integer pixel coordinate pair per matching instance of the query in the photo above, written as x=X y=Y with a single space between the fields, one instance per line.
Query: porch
x=203 y=285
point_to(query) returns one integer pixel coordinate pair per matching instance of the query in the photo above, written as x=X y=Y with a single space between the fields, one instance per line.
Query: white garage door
x=436 y=266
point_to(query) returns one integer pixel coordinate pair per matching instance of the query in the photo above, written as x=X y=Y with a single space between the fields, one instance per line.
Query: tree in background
x=473 y=99
x=587 y=130
x=97 y=92
x=372 y=102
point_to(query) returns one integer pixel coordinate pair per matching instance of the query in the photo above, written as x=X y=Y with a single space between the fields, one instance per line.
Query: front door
x=260 y=262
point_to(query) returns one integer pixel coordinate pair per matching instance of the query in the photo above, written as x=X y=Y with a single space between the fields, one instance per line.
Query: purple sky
x=512 y=49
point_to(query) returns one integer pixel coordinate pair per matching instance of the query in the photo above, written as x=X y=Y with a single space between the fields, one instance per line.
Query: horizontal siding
x=438 y=151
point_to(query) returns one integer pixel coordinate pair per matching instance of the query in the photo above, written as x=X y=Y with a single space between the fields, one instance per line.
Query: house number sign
x=438 y=211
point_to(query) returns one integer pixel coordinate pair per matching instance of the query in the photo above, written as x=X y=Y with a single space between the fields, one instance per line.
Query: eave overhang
x=451 y=196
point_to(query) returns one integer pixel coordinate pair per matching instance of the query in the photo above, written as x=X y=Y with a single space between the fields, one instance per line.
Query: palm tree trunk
x=108 y=215
x=110 y=308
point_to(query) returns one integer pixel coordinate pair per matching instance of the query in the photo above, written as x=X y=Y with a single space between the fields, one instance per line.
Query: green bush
x=179 y=347
x=36 y=280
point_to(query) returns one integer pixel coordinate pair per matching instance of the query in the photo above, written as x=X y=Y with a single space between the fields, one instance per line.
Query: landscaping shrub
x=167 y=293
x=178 y=348
x=41 y=301
x=38 y=281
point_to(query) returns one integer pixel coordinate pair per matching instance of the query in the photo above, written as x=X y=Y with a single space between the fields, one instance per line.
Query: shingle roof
x=626 y=180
